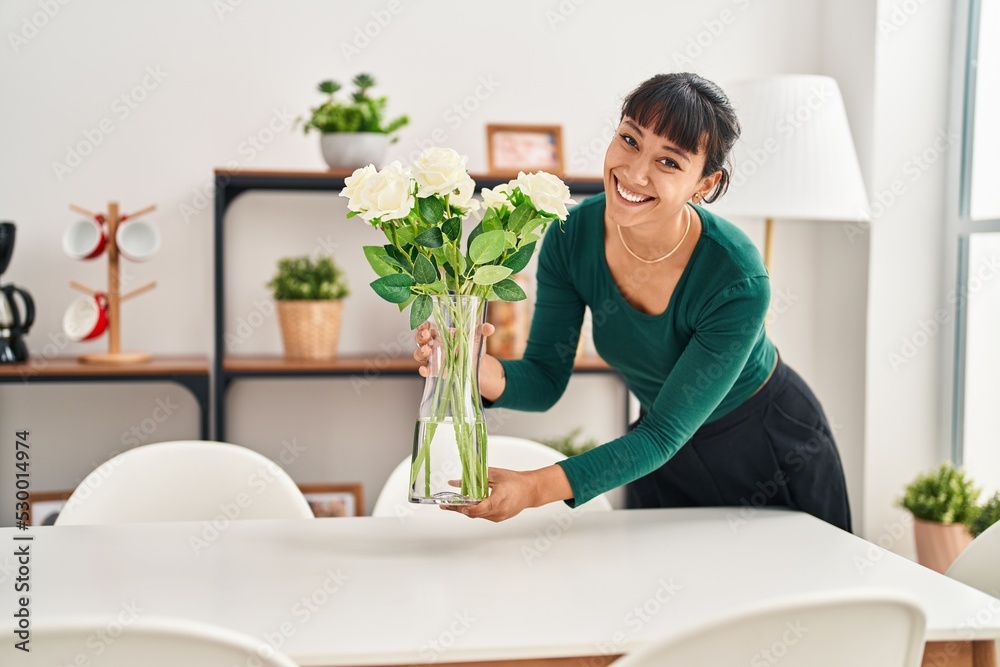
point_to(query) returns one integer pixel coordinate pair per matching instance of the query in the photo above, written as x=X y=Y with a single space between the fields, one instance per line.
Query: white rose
x=439 y=171
x=462 y=197
x=356 y=184
x=392 y=193
x=546 y=192
x=497 y=197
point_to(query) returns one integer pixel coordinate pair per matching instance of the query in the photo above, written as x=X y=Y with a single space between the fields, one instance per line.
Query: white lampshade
x=795 y=158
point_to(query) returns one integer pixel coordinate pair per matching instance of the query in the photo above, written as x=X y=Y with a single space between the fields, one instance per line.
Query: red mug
x=86 y=317
x=84 y=239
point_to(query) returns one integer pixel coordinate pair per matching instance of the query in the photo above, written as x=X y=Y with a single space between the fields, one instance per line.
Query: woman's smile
x=629 y=195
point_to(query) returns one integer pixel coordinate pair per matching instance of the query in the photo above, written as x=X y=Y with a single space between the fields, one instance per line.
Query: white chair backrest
x=979 y=564
x=144 y=640
x=504 y=452
x=856 y=628
x=189 y=480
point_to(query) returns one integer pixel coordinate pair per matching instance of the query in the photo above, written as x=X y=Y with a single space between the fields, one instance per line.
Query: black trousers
x=774 y=449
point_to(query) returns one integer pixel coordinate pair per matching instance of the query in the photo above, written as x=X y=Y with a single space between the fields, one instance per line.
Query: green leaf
x=487 y=247
x=510 y=240
x=403 y=306
x=396 y=257
x=474 y=234
x=394 y=288
x=520 y=217
x=420 y=311
x=452 y=228
x=423 y=271
x=491 y=221
x=529 y=239
x=431 y=238
x=431 y=209
x=533 y=224
x=508 y=290
x=378 y=259
x=351 y=214
x=404 y=235
x=490 y=274
x=519 y=259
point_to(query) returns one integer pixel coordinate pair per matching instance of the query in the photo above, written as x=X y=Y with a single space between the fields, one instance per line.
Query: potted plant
x=942 y=503
x=568 y=444
x=309 y=294
x=353 y=133
x=985 y=516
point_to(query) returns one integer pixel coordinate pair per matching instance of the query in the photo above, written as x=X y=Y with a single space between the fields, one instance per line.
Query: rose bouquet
x=425 y=266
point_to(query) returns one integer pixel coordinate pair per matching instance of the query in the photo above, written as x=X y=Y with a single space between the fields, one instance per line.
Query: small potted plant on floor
x=353 y=133
x=942 y=503
x=309 y=294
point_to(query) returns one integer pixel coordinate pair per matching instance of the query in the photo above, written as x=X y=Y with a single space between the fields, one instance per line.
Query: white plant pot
x=350 y=150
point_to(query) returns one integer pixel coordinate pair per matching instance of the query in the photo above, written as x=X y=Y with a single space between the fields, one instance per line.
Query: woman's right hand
x=422 y=355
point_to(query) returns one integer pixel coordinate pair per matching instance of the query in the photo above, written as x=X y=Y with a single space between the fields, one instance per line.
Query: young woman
x=679 y=298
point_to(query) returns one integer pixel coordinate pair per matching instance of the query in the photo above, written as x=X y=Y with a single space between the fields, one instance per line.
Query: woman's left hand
x=510 y=492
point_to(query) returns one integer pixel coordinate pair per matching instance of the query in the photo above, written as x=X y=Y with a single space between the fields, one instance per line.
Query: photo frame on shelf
x=44 y=506
x=513 y=148
x=334 y=500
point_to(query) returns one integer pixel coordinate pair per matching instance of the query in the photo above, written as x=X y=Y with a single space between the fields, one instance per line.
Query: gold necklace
x=659 y=259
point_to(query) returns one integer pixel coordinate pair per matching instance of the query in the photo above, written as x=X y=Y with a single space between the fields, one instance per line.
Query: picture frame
x=44 y=506
x=511 y=148
x=334 y=500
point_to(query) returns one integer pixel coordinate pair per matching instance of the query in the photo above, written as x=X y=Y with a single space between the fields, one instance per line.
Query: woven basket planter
x=310 y=330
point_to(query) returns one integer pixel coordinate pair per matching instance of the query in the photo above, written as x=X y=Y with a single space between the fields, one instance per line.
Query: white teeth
x=630 y=196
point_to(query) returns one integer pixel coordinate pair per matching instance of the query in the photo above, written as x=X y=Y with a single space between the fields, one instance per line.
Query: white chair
x=504 y=452
x=187 y=480
x=856 y=628
x=147 y=641
x=979 y=564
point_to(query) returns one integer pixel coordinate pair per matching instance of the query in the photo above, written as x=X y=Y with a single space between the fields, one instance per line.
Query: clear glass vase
x=449 y=442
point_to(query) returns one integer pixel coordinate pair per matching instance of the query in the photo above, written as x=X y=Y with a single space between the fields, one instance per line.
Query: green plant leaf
x=378 y=259
x=430 y=238
x=528 y=239
x=487 y=247
x=420 y=310
x=452 y=228
x=490 y=274
x=397 y=258
x=404 y=235
x=520 y=217
x=431 y=209
x=519 y=259
x=423 y=271
x=403 y=306
x=394 y=288
x=491 y=221
x=510 y=240
x=508 y=290
x=473 y=235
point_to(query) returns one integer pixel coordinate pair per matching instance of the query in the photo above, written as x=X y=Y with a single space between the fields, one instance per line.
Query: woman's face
x=648 y=178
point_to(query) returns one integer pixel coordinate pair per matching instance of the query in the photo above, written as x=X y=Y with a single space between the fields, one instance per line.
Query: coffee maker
x=13 y=324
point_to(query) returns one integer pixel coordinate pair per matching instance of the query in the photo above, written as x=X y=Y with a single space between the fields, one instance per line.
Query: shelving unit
x=189 y=372
x=230 y=184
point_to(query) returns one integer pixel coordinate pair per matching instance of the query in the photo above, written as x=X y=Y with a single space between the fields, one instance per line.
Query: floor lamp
x=795 y=158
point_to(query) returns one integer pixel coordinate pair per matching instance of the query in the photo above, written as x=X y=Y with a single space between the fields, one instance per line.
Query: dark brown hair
x=688 y=110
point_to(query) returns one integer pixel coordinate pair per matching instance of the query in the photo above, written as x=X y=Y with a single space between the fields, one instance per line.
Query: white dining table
x=567 y=588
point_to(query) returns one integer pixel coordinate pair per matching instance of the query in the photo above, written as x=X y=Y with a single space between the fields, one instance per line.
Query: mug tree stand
x=114 y=355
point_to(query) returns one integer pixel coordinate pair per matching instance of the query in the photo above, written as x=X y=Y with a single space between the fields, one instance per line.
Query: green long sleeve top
x=703 y=356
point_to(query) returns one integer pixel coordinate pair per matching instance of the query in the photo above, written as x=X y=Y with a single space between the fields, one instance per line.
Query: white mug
x=138 y=240
x=84 y=239
x=86 y=317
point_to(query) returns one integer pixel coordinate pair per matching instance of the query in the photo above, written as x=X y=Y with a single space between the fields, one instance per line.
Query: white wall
x=906 y=387
x=224 y=77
